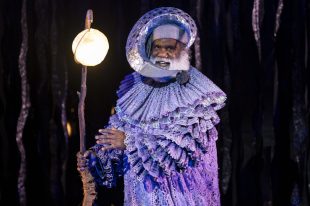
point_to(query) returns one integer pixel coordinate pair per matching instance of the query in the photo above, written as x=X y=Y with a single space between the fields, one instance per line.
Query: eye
x=170 y=48
x=156 y=47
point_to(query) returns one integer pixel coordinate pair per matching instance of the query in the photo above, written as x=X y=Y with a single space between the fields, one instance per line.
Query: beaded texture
x=170 y=156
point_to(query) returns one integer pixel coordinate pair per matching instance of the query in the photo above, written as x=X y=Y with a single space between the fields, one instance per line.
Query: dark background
x=263 y=144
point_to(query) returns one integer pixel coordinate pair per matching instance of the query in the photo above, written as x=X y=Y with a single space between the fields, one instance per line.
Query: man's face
x=165 y=49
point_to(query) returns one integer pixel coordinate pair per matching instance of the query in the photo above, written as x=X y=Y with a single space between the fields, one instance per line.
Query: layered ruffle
x=195 y=186
x=168 y=126
x=171 y=147
x=142 y=101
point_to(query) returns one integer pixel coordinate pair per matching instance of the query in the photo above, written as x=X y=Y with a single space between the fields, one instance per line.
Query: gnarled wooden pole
x=82 y=95
x=87 y=179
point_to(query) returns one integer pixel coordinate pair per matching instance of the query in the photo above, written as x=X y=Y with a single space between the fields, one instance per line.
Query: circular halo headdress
x=136 y=43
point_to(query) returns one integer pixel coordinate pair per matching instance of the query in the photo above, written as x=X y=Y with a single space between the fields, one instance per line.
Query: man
x=162 y=138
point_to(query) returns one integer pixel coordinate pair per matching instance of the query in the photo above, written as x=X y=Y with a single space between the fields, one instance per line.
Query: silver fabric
x=136 y=43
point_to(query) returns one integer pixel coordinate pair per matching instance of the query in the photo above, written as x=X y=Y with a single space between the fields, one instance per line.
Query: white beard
x=182 y=63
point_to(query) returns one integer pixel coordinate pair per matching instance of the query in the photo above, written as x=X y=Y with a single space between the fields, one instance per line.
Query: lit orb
x=90 y=47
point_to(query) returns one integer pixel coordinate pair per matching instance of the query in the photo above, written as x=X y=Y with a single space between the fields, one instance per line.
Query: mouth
x=162 y=64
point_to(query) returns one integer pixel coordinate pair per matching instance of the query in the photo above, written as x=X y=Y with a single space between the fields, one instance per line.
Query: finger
x=109 y=137
x=87 y=153
x=82 y=159
x=116 y=131
x=104 y=141
x=106 y=131
x=81 y=165
x=107 y=148
x=79 y=154
x=105 y=136
x=80 y=169
x=84 y=162
x=110 y=131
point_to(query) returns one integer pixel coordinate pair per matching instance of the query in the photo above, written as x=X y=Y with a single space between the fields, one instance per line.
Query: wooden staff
x=87 y=179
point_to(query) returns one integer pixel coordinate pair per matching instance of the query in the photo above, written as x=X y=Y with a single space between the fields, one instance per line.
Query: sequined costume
x=170 y=157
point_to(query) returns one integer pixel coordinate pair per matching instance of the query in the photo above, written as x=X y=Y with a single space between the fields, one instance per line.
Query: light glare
x=90 y=47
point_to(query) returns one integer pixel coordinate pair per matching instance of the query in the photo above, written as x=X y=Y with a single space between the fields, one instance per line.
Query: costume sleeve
x=108 y=165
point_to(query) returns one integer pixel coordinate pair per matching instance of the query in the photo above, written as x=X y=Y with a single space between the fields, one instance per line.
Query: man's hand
x=85 y=160
x=111 y=139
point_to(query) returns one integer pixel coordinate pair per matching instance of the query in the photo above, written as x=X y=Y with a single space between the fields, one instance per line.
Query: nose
x=162 y=53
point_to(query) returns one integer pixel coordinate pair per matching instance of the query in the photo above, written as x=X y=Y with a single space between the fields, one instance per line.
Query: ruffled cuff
x=108 y=166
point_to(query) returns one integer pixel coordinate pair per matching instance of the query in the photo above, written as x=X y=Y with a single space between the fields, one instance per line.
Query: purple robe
x=170 y=156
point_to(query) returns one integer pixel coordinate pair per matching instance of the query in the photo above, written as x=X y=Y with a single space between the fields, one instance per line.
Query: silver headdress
x=136 y=51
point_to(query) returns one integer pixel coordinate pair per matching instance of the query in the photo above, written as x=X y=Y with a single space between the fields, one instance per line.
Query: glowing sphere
x=90 y=47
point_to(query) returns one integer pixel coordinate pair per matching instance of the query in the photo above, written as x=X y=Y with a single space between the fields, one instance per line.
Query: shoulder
x=127 y=83
x=212 y=93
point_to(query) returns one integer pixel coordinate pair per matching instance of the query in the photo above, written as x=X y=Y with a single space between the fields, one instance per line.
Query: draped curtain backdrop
x=257 y=51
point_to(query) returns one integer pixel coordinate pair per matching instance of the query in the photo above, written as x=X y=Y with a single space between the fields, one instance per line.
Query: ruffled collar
x=143 y=101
